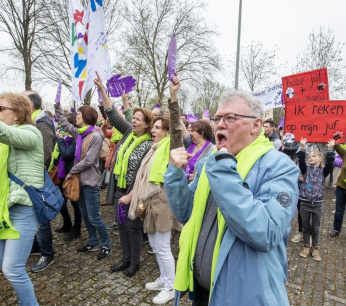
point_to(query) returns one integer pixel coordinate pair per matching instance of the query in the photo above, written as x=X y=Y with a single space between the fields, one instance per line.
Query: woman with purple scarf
x=89 y=140
x=63 y=157
x=198 y=145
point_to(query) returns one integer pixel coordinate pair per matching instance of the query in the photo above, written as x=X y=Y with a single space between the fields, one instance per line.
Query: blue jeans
x=340 y=202
x=45 y=240
x=14 y=253
x=89 y=204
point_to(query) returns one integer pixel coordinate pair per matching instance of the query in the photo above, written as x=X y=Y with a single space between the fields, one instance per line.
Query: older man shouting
x=236 y=212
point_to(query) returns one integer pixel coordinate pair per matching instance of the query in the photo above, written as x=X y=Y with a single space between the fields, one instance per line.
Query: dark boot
x=120 y=266
x=131 y=270
x=65 y=228
x=73 y=234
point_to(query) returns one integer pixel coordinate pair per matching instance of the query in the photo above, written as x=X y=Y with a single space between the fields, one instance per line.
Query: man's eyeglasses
x=229 y=118
x=4 y=107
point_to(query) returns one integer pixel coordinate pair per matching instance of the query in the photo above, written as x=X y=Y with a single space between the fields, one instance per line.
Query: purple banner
x=58 y=93
x=172 y=57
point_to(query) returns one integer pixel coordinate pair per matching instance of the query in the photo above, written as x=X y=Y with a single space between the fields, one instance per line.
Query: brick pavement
x=79 y=279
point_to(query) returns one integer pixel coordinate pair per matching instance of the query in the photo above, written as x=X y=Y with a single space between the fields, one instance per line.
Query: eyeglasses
x=4 y=107
x=229 y=118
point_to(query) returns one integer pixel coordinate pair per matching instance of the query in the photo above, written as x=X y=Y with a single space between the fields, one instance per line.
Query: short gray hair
x=254 y=104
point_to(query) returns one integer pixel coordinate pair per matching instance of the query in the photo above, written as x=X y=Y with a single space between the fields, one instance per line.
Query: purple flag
x=206 y=113
x=172 y=57
x=99 y=100
x=73 y=111
x=117 y=85
x=282 y=122
x=191 y=118
x=58 y=93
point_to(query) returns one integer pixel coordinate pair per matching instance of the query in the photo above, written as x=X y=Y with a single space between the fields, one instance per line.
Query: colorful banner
x=306 y=86
x=316 y=121
x=270 y=97
x=89 y=51
x=78 y=44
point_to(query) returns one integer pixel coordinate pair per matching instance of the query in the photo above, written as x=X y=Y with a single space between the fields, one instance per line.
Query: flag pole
x=238 y=47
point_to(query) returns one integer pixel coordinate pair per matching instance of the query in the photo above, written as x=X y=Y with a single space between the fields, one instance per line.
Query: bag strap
x=85 y=145
x=113 y=154
x=16 y=179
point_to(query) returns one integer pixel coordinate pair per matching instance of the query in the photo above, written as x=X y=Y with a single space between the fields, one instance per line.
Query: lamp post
x=238 y=47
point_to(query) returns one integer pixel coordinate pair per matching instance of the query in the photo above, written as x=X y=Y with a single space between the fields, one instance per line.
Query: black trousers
x=201 y=295
x=131 y=237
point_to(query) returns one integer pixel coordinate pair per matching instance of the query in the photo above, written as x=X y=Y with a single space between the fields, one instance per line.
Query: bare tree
x=258 y=65
x=149 y=25
x=208 y=96
x=55 y=47
x=40 y=32
x=22 y=21
x=323 y=51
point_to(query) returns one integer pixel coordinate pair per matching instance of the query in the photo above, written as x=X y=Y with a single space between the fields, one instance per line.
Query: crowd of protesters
x=230 y=183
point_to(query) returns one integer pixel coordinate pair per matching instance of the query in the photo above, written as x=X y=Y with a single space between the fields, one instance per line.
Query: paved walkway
x=79 y=279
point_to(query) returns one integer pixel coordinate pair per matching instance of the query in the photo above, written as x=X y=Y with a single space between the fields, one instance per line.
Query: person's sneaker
x=334 y=233
x=164 y=296
x=88 y=248
x=42 y=264
x=105 y=252
x=156 y=285
x=112 y=226
x=305 y=251
x=315 y=254
x=150 y=251
x=34 y=253
x=297 y=238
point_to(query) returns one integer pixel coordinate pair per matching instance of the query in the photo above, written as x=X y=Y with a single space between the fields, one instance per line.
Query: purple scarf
x=79 y=142
x=61 y=162
x=190 y=167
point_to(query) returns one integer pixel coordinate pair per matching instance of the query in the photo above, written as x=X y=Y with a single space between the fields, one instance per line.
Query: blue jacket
x=252 y=266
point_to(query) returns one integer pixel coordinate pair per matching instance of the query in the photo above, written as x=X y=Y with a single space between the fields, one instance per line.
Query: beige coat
x=158 y=216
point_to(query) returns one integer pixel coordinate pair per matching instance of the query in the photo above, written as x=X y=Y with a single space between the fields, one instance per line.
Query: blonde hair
x=318 y=154
x=20 y=106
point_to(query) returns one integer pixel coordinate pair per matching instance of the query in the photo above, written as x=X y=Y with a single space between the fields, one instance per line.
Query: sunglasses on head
x=4 y=107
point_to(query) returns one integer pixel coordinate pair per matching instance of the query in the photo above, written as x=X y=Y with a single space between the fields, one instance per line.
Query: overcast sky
x=286 y=24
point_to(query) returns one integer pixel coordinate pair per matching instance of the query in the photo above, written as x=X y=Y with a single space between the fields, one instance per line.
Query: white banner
x=89 y=50
x=270 y=97
x=98 y=58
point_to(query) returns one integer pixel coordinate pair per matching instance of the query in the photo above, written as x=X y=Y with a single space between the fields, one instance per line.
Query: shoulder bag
x=47 y=200
x=71 y=186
